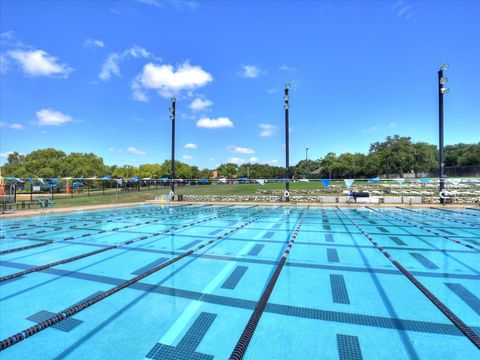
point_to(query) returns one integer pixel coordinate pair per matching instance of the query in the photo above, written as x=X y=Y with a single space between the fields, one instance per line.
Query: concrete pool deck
x=35 y=212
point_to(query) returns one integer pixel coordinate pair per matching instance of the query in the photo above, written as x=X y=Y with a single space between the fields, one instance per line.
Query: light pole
x=441 y=149
x=172 y=169
x=306 y=154
x=287 y=145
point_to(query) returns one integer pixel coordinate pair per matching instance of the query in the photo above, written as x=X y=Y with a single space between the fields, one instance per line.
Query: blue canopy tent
x=105 y=178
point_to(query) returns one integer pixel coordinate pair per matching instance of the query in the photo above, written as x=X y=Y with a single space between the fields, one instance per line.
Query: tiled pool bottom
x=338 y=296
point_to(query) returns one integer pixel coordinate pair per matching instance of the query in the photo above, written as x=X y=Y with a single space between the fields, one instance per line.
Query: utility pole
x=172 y=169
x=441 y=148
x=287 y=145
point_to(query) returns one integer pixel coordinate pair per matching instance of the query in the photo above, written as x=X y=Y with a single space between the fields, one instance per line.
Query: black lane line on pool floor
x=128 y=242
x=14 y=339
x=247 y=334
x=439 y=217
x=464 y=328
x=8 y=251
x=423 y=228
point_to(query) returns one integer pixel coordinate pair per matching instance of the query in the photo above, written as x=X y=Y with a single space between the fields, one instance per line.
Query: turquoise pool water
x=337 y=297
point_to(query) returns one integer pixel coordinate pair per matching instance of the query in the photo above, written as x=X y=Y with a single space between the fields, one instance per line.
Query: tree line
x=394 y=156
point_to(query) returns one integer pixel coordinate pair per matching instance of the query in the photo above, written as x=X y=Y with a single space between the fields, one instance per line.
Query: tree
x=396 y=154
x=228 y=170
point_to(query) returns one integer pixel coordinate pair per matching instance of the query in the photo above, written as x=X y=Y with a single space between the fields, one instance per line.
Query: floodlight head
x=285 y=98
x=444 y=67
x=444 y=90
x=173 y=99
x=172 y=117
x=443 y=80
x=285 y=106
x=287 y=86
x=170 y=109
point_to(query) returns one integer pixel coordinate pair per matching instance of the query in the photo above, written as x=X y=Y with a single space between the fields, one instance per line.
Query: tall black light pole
x=441 y=149
x=306 y=154
x=172 y=171
x=287 y=145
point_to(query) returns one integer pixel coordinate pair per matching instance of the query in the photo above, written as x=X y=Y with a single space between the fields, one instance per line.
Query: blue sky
x=96 y=76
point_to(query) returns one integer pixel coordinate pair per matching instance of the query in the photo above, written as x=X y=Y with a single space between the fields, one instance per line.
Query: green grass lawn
x=96 y=198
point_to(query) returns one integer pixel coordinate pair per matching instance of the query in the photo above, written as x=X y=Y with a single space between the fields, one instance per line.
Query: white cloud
x=134 y=150
x=404 y=11
x=274 y=161
x=5 y=154
x=249 y=71
x=272 y=90
x=15 y=126
x=253 y=159
x=110 y=66
x=286 y=68
x=236 y=160
x=93 y=43
x=178 y=4
x=187 y=157
x=240 y=150
x=168 y=80
x=392 y=125
x=191 y=146
x=4 y=64
x=39 y=63
x=50 y=117
x=267 y=130
x=199 y=104
x=214 y=123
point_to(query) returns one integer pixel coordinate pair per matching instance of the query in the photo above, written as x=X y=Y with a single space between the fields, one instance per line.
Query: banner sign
x=348 y=182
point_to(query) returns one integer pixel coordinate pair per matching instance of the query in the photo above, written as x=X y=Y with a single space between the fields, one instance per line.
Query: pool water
x=337 y=297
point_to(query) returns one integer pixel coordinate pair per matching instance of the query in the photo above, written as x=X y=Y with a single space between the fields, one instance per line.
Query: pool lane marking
x=128 y=242
x=16 y=338
x=464 y=328
x=8 y=251
x=247 y=334
x=184 y=319
x=440 y=217
x=423 y=228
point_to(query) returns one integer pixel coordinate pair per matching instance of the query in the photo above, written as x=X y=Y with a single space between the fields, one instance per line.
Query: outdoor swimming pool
x=337 y=297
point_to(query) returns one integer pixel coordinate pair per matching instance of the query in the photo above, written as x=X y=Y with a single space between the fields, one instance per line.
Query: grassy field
x=96 y=198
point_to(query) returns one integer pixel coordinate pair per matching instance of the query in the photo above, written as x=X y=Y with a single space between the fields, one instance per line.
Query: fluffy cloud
x=253 y=159
x=214 y=123
x=249 y=71
x=168 y=80
x=286 y=68
x=50 y=117
x=187 y=157
x=110 y=66
x=267 y=130
x=200 y=104
x=241 y=150
x=39 y=63
x=93 y=43
x=236 y=160
x=191 y=146
x=15 y=126
x=135 y=151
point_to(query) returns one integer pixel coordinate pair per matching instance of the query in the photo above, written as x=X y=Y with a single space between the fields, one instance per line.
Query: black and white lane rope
x=98 y=251
x=244 y=340
x=424 y=228
x=464 y=328
x=74 y=309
